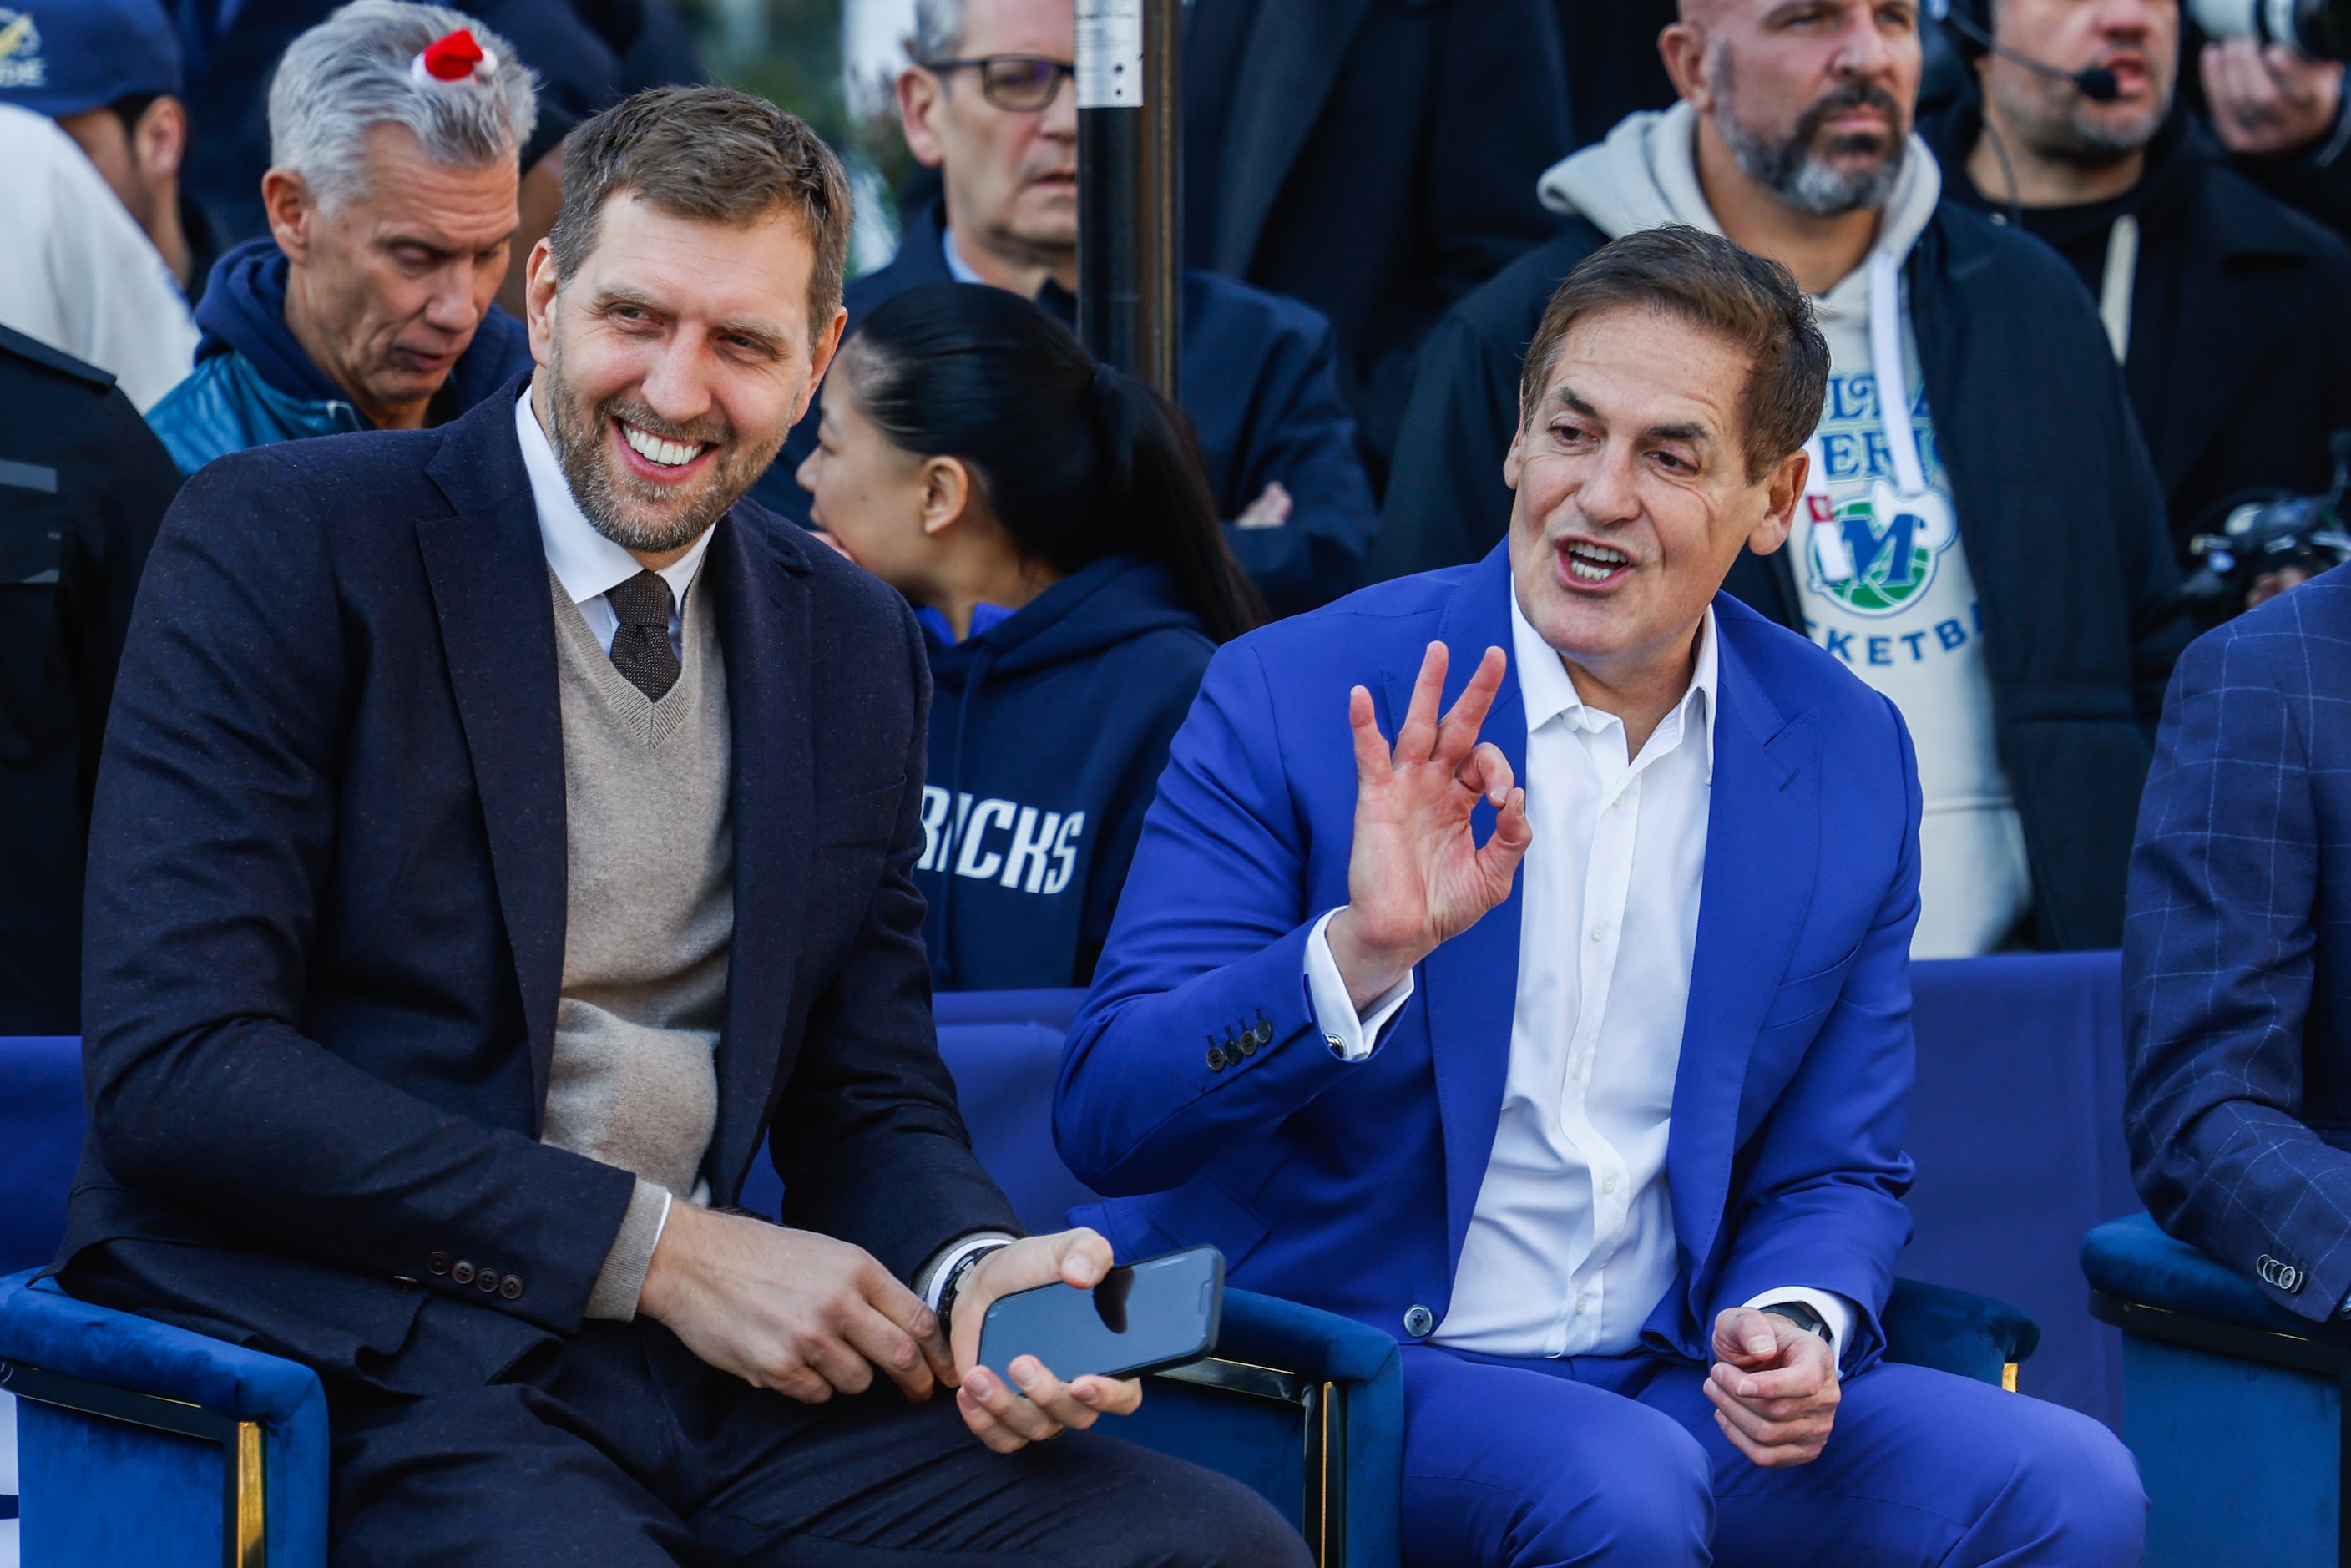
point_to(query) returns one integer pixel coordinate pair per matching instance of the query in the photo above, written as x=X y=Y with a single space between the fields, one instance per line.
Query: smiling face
x=673 y=362
x=387 y=286
x=1011 y=176
x=2137 y=40
x=1633 y=495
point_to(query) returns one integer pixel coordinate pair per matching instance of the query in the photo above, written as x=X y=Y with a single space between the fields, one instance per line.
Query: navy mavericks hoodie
x=1049 y=731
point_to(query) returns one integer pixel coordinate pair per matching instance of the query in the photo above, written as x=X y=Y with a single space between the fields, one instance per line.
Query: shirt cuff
x=623 y=1278
x=932 y=1277
x=1351 y=1038
x=1837 y=1311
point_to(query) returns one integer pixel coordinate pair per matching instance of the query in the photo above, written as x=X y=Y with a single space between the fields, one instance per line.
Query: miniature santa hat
x=453 y=58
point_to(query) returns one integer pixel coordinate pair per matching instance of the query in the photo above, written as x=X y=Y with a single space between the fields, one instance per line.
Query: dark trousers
x=619 y=1449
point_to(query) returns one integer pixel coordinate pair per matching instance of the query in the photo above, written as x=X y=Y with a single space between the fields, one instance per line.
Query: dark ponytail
x=1075 y=459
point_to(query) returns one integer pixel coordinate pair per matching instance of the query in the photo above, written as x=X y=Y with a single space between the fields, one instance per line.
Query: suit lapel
x=1471 y=983
x=1763 y=858
x=761 y=595
x=1294 y=52
x=487 y=571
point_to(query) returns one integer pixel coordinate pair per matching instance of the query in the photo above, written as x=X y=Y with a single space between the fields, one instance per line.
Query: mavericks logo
x=21 y=65
x=1876 y=554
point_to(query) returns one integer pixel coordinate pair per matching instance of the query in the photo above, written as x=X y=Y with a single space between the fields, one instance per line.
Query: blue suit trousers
x=1618 y=1460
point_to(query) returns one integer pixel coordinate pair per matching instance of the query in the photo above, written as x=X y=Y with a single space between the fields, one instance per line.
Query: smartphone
x=1143 y=1317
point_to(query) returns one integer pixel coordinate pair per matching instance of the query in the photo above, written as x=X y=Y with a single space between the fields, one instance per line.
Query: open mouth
x=1590 y=564
x=660 y=454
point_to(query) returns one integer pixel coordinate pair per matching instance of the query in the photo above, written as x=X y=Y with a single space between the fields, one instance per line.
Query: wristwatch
x=954 y=1282
x=1803 y=1317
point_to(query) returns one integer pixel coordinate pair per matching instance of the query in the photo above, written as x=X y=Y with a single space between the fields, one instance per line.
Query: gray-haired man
x=395 y=133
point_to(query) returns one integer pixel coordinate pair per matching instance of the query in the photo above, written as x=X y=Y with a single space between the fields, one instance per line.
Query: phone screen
x=1162 y=1312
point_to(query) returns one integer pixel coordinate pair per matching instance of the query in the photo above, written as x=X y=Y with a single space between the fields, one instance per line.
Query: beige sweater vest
x=649 y=923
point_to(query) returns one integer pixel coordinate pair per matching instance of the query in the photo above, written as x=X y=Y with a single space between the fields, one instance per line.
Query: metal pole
x=1130 y=177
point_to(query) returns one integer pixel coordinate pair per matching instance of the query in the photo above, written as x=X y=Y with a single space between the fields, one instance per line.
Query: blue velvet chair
x=140 y=1443
x=143 y=1443
x=2234 y=1407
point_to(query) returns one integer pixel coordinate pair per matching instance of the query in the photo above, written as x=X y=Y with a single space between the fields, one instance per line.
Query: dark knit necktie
x=641 y=649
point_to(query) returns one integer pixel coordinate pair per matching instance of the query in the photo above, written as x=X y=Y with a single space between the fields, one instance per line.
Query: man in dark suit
x=503 y=833
x=2237 y=956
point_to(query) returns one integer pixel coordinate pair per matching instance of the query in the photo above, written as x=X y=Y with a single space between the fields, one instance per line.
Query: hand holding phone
x=1160 y=1313
x=1009 y=1406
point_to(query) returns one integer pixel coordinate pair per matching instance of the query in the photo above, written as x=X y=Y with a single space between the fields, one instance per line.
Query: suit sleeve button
x=438 y=1262
x=1418 y=1321
x=486 y=1280
x=462 y=1273
x=511 y=1287
x=1263 y=1032
x=1215 y=1058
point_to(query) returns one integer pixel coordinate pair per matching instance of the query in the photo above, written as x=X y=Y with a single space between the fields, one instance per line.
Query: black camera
x=2319 y=28
x=2266 y=534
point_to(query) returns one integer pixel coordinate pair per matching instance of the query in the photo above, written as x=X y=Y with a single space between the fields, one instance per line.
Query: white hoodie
x=77 y=272
x=1883 y=575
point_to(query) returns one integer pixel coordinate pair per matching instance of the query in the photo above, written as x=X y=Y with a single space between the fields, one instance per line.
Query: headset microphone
x=2095 y=83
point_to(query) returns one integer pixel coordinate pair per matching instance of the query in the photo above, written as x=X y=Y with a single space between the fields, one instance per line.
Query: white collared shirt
x=588 y=564
x=1571 y=1245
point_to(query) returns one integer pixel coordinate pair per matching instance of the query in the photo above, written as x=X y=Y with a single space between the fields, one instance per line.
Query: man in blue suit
x=2237 y=951
x=1614 y=1145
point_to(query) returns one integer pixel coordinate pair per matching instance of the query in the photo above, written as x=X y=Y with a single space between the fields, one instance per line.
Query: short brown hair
x=713 y=155
x=1750 y=301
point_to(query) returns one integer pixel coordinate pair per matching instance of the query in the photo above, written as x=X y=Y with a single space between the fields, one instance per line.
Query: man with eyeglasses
x=991 y=104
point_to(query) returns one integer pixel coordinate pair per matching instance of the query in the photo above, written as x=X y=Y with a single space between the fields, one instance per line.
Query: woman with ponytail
x=1048 y=519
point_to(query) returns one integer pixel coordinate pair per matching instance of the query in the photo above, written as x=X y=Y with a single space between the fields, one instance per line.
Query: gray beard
x=579 y=450
x=1789 y=169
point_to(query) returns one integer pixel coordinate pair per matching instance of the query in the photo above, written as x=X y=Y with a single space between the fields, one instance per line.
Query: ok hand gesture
x=1418 y=875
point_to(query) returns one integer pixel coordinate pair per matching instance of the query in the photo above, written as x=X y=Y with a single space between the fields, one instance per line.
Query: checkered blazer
x=2237 y=951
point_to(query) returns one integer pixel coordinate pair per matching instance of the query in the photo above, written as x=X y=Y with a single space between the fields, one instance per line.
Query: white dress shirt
x=588 y=564
x=1571 y=1245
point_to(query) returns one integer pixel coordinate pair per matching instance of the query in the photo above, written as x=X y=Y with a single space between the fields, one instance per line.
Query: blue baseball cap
x=66 y=56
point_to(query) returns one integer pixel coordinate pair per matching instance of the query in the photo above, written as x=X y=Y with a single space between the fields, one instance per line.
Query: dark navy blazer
x=1260 y=386
x=1349 y=1185
x=2237 y=951
x=325 y=913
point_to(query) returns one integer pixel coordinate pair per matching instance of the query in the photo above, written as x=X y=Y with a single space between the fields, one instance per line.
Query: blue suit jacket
x=327 y=901
x=2237 y=953
x=1349 y=1185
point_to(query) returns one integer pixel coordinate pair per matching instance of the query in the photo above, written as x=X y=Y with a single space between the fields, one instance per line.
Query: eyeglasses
x=1021 y=83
